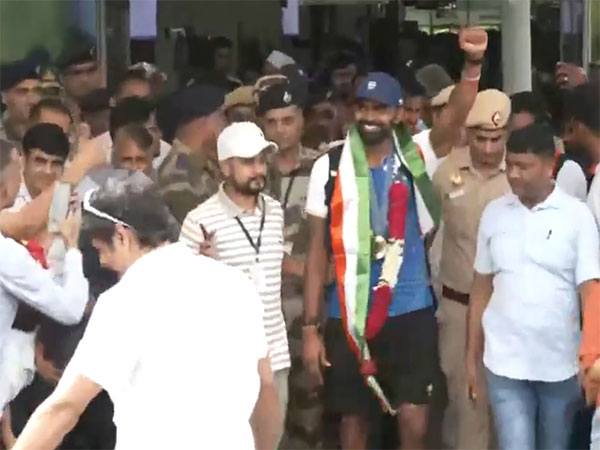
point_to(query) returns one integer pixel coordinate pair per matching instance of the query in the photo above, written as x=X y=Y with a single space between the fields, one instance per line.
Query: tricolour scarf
x=351 y=235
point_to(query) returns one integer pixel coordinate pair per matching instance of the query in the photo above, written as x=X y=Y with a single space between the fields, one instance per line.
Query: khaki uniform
x=304 y=416
x=186 y=179
x=464 y=194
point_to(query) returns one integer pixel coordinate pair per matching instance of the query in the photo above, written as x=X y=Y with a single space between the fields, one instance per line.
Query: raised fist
x=473 y=41
x=569 y=75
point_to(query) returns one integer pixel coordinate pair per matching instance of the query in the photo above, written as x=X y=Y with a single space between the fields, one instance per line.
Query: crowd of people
x=351 y=260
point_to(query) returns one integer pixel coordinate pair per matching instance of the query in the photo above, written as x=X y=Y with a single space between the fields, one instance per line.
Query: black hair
x=582 y=105
x=536 y=139
x=59 y=341
x=129 y=110
x=52 y=103
x=133 y=75
x=410 y=85
x=138 y=134
x=531 y=103
x=7 y=152
x=140 y=207
x=342 y=59
x=47 y=137
x=218 y=42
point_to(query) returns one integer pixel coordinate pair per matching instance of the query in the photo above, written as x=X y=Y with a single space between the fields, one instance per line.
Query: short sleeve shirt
x=179 y=337
x=538 y=258
x=463 y=194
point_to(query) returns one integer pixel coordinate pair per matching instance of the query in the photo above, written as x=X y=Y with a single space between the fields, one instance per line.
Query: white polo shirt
x=538 y=257
x=181 y=370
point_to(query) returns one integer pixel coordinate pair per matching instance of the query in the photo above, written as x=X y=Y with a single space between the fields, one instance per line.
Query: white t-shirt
x=315 y=198
x=538 y=257
x=423 y=140
x=593 y=198
x=176 y=345
x=571 y=180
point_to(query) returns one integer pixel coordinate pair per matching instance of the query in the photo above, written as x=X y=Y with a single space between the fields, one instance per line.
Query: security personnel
x=240 y=105
x=466 y=182
x=190 y=173
x=20 y=87
x=79 y=69
x=280 y=113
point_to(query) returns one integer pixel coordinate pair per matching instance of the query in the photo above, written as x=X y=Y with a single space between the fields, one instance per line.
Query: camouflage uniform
x=303 y=427
x=5 y=133
x=186 y=179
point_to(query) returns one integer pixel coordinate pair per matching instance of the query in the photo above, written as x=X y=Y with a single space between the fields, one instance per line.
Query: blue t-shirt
x=412 y=291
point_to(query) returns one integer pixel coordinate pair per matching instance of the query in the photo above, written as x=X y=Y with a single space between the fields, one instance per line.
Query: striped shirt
x=218 y=215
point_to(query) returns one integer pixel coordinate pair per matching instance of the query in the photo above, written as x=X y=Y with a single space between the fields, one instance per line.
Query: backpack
x=335 y=154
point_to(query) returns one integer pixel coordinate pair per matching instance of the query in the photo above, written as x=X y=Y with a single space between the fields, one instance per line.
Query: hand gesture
x=473 y=41
x=313 y=354
x=207 y=247
x=70 y=228
x=472 y=382
x=569 y=75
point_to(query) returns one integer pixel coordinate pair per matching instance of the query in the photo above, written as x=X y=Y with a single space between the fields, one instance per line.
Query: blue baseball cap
x=380 y=87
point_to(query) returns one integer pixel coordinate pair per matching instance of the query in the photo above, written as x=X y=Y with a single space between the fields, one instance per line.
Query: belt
x=459 y=297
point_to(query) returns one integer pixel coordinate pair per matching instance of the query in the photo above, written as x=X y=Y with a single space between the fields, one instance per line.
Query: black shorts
x=405 y=352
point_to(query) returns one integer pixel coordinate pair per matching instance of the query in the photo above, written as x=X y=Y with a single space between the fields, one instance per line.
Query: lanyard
x=288 y=190
x=379 y=212
x=255 y=245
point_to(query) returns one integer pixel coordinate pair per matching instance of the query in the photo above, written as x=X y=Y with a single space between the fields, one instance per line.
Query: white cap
x=279 y=59
x=242 y=140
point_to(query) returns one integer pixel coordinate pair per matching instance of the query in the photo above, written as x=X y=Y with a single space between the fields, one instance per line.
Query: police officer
x=280 y=114
x=190 y=174
x=466 y=182
x=79 y=70
x=20 y=87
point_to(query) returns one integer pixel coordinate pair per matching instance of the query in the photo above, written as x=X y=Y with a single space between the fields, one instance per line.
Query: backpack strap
x=334 y=155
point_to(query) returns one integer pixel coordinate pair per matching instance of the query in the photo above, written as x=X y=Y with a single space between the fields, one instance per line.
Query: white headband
x=87 y=206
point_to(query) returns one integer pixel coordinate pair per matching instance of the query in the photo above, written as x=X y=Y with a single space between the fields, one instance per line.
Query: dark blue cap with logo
x=28 y=68
x=382 y=88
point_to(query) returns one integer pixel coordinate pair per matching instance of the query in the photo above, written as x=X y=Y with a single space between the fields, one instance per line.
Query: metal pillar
x=516 y=45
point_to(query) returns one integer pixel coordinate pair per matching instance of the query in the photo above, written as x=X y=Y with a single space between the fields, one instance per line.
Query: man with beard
x=189 y=173
x=370 y=210
x=244 y=229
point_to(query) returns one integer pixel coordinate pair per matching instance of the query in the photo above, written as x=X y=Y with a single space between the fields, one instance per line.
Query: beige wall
x=229 y=18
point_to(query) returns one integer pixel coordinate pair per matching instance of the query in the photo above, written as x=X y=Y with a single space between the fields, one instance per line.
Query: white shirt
x=176 y=344
x=23 y=197
x=423 y=140
x=104 y=142
x=23 y=279
x=218 y=216
x=571 y=179
x=538 y=257
x=593 y=198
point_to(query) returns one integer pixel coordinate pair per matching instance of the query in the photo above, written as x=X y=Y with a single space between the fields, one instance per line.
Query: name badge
x=257 y=276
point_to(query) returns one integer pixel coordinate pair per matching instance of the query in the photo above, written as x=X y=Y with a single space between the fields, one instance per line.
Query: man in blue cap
x=370 y=204
x=20 y=86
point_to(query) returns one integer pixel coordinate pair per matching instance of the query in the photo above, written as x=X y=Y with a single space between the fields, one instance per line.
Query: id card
x=257 y=276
